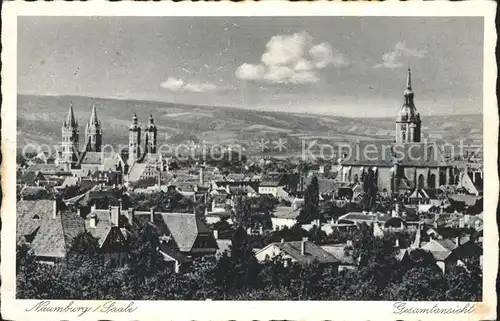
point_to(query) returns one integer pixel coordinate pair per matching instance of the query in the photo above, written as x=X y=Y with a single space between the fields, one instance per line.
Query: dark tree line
x=237 y=275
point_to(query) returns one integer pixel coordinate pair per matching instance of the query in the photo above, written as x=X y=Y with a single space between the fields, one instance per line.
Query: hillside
x=40 y=119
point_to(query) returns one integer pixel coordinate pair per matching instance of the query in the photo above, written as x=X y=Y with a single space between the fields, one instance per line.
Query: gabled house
x=107 y=226
x=303 y=252
x=184 y=232
x=285 y=216
x=31 y=178
x=274 y=184
x=343 y=252
x=47 y=228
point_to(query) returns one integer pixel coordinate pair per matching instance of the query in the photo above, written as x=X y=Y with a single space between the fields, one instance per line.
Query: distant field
x=40 y=119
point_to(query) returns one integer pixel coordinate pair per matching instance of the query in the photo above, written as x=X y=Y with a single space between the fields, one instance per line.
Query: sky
x=343 y=66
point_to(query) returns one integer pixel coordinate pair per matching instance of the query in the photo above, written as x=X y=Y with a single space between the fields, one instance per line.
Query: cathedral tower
x=151 y=135
x=134 y=141
x=93 y=133
x=70 y=138
x=408 y=119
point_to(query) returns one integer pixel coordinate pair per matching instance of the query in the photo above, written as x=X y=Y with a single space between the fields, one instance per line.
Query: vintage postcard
x=249 y=161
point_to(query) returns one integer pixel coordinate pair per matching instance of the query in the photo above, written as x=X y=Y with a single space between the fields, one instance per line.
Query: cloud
x=324 y=54
x=179 y=85
x=291 y=59
x=173 y=84
x=250 y=72
x=392 y=60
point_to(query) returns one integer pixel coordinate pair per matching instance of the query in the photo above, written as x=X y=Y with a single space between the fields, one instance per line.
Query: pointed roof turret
x=408 y=112
x=93 y=121
x=408 y=90
x=408 y=80
x=134 y=126
x=151 y=125
x=70 y=119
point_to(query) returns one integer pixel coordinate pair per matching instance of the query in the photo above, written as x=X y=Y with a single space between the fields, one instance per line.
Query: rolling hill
x=40 y=119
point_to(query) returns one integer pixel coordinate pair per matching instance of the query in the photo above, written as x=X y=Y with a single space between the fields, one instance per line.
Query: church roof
x=408 y=112
x=70 y=118
x=386 y=154
x=93 y=121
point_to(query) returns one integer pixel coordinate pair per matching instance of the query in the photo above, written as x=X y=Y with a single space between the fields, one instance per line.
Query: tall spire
x=93 y=117
x=70 y=119
x=408 y=79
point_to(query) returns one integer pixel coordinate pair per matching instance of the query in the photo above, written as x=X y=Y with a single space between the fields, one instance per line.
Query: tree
x=241 y=212
x=310 y=209
x=424 y=283
x=464 y=284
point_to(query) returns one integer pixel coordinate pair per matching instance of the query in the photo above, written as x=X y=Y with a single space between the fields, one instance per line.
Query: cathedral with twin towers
x=91 y=153
x=388 y=172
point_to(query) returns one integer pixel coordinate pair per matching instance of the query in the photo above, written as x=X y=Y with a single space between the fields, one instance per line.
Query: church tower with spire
x=70 y=138
x=134 y=141
x=408 y=119
x=93 y=133
x=151 y=136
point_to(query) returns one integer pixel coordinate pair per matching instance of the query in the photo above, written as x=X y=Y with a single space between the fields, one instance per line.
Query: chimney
x=261 y=230
x=92 y=221
x=349 y=243
x=282 y=240
x=115 y=215
x=396 y=242
x=92 y=208
x=130 y=215
x=54 y=208
x=303 y=246
x=152 y=214
x=457 y=241
x=202 y=175
x=216 y=234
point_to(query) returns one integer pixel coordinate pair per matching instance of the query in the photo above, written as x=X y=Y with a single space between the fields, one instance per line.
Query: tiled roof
x=243 y=189
x=272 y=179
x=72 y=225
x=313 y=252
x=224 y=245
x=467 y=199
x=25 y=214
x=70 y=181
x=49 y=238
x=103 y=224
x=286 y=212
x=30 y=177
x=183 y=227
x=46 y=168
x=440 y=249
x=326 y=186
x=338 y=251
x=94 y=158
x=358 y=216
x=32 y=190
x=135 y=171
x=173 y=253
x=385 y=154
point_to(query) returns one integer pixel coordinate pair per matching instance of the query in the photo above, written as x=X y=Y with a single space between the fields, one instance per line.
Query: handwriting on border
x=80 y=310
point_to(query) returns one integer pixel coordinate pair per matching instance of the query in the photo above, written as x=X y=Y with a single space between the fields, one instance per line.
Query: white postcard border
x=241 y=310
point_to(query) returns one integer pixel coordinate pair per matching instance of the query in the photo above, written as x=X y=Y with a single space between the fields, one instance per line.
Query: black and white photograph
x=250 y=158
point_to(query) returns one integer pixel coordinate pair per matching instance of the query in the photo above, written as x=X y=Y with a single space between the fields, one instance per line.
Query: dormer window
x=36 y=217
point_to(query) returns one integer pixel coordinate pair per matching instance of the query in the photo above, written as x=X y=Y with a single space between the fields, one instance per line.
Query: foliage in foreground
x=238 y=276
